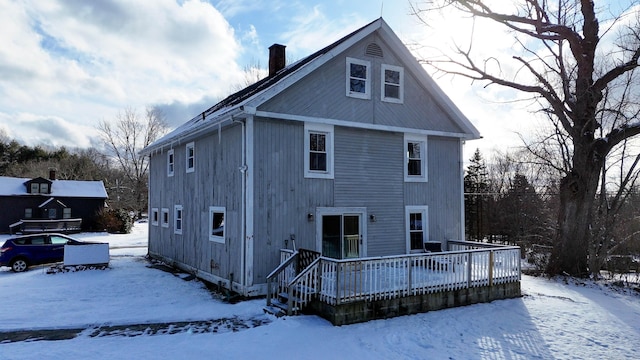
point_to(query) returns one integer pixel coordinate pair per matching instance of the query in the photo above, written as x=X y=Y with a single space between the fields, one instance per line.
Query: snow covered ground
x=553 y=320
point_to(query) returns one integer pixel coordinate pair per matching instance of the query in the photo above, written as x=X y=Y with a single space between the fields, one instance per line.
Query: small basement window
x=165 y=217
x=154 y=216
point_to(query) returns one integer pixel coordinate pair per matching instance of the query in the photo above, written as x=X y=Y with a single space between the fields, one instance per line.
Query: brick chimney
x=52 y=174
x=277 y=59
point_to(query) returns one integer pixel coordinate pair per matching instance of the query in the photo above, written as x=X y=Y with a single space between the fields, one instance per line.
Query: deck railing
x=469 y=265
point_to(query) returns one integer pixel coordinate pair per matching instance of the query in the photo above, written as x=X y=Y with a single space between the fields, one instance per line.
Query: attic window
x=358 y=78
x=373 y=49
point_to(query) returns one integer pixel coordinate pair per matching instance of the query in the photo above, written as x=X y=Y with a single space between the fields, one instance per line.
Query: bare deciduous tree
x=123 y=139
x=576 y=79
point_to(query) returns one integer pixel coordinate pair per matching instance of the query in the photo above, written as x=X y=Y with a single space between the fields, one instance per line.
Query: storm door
x=341 y=235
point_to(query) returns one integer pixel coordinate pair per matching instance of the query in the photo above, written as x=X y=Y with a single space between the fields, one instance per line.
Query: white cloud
x=79 y=62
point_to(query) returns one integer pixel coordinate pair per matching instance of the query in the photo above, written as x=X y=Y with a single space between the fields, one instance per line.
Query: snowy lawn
x=553 y=320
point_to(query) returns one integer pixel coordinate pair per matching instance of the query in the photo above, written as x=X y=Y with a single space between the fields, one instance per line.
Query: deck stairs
x=293 y=284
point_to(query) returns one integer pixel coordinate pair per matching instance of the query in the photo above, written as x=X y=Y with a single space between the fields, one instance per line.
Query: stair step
x=275 y=310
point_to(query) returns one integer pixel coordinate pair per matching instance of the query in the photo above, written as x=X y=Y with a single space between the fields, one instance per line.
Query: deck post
x=469 y=267
x=268 y=291
x=337 y=283
x=491 y=261
x=409 y=280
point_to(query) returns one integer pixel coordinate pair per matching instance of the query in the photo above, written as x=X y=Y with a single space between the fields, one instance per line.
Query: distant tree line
x=117 y=163
x=512 y=200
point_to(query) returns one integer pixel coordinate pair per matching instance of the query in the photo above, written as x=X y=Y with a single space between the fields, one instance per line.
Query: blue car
x=23 y=251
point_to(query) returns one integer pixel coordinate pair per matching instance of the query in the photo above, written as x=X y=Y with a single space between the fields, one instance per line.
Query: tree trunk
x=570 y=253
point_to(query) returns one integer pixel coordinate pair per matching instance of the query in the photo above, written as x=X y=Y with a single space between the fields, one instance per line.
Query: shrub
x=115 y=221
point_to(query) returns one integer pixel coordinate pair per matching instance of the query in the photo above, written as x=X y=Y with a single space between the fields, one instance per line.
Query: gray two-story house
x=352 y=152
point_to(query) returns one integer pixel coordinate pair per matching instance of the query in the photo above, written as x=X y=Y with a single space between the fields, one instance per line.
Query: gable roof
x=11 y=186
x=248 y=99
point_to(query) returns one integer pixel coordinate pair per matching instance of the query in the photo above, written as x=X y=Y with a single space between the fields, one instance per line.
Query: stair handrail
x=308 y=284
x=275 y=273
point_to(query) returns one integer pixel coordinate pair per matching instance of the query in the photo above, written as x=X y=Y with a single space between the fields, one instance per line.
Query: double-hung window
x=177 y=219
x=417 y=227
x=318 y=157
x=170 y=162
x=392 y=83
x=216 y=224
x=358 y=78
x=165 y=217
x=66 y=213
x=191 y=157
x=415 y=163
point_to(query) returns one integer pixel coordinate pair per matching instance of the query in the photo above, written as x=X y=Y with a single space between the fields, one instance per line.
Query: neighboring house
x=30 y=205
x=352 y=152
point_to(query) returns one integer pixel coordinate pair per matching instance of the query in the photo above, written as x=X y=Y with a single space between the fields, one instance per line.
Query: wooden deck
x=26 y=226
x=469 y=272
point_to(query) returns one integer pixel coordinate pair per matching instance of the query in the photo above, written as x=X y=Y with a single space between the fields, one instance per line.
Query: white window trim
x=399 y=69
x=328 y=130
x=177 y=209
x=162 y=217
x=412 y=209
x=217 y=209
x=171 y=165
x=190 y=145
x=367 y=86
x=155 y=215
x=423 y=156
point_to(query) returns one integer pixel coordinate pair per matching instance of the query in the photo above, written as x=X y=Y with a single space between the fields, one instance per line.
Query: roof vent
x=373 y=49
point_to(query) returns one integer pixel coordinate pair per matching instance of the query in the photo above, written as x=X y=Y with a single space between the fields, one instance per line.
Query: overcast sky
x=67 y=64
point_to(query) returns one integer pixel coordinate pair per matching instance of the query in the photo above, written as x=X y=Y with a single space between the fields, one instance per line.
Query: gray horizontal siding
x=216 y=181
x=322 y=94
x=283 y=197
x=369 y=173
x=443 y=192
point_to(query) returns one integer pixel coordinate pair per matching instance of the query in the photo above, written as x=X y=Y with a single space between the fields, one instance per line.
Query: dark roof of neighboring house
x=11 y=186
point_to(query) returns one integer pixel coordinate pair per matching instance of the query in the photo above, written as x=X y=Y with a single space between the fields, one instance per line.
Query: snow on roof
x=11 y=186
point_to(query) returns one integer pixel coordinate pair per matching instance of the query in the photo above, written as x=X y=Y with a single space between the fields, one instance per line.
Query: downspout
x=248 y=198
x=243 y=172
x=462 y=220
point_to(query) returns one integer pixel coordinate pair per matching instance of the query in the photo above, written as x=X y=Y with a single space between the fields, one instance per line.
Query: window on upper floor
x=318 y=144
x=177 y=219
x=417 y=227
x=358 y=78
x=28 y=213
x=415 y=164
x=66 y=213
x=39 y=188
x=216 y=224
x=154 y=216
x=170 y=162
x=392 y=83
x=191 y=157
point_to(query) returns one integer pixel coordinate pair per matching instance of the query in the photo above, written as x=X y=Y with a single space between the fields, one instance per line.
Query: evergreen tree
x=476 y=189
